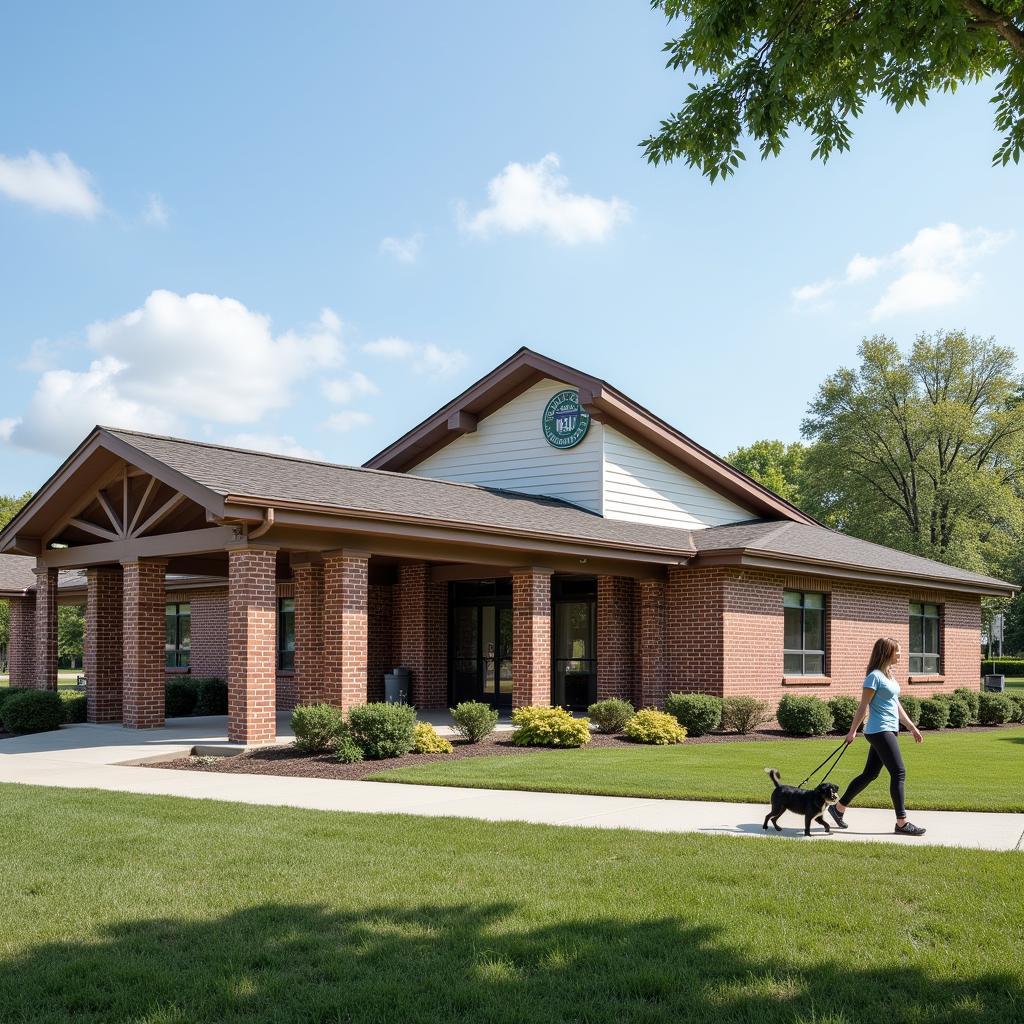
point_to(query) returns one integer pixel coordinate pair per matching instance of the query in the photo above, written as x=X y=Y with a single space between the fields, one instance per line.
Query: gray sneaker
x=836 y=817
x=908 y=829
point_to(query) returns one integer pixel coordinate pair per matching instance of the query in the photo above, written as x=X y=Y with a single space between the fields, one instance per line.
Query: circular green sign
x=565 y=424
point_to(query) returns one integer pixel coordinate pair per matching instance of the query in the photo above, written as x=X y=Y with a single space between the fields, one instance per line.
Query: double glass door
x=481 y=645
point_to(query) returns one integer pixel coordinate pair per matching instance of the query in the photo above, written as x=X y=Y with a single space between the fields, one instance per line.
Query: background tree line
x=920 y=450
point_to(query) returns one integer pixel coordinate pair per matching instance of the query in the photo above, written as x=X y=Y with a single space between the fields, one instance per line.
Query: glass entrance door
x=480 y=645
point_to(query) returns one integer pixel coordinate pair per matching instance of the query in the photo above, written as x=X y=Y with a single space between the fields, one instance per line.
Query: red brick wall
x=961 y=643
x=615 y=647
x=103 y=648
x=143 y=692
x=21 y=648
x=346 y=582
x=531 y=638
x=46 y=629
x=209 y=655
x=421 y=634
x=694 y=618
x=379 y=648
x=651 y=676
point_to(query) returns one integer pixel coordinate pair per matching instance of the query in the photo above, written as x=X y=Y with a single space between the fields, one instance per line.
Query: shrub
x=75 y=705
x=180 y=696
x=994 y=709
x=971 y=697
x=33 y=711
x=1017 y=700
x=346 y=750
x=912 y=706
x=934 y=713
x=959 y=713
x=316 y=727
x=697 y=713
x=425 y=740
x=843 y=711
x=212 y=697
x=659 y=727
x=549 y=727
x=6 y=693
x=383 y=730
x=744 y=714
x=610 y=715
x=1003 y=666
x=474 y=720
x=804 y=716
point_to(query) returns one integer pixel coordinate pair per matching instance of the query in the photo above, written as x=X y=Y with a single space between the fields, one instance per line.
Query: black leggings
x=885 y=750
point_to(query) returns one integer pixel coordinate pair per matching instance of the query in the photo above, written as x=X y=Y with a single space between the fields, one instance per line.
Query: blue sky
x=209 y=256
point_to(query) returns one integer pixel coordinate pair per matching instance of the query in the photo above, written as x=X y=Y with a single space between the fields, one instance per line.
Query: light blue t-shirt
x=884 y=709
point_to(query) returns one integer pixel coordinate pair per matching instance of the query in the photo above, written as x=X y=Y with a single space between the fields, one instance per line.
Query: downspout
x=267 y=524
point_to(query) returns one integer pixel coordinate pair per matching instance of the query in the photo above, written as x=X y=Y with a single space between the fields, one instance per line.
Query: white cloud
x=7 y=428
x=278 y=444
x=155 y=212
x=347 y=419
x=345 y=389
x=429 y=359
x=404 y=250
x=49 y=183
x=936 y=268
x=42 y=355
x=535 y=197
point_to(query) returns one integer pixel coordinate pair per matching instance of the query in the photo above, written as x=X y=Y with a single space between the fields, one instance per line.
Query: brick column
x=422 y=634
x=531 y=637
x=615 y=668
x=21 y=648
x=46 y=629
x=651 y=683
x=309 y=631
x=143 y=631
x=346 y=579
x=104 y=640
x=252 y=645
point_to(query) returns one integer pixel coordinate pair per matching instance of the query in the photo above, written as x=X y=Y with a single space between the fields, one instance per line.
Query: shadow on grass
x=467 y=963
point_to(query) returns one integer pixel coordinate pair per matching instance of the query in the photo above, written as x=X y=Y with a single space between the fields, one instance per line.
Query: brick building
x=540 y=539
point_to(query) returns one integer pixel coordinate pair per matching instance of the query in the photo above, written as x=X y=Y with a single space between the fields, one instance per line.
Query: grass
x=124 y=908
x=978 y=771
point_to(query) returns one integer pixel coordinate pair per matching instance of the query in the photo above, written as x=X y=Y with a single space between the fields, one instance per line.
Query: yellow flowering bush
x=650 y=726
x=549 y=727
x=426 y=740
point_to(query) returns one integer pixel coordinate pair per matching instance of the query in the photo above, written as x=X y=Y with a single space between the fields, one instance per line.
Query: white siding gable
x=508 y=450
x=642 y=488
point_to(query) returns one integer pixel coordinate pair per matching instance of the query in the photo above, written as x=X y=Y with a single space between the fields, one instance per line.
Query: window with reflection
x=177 y=634
x=923 y=656
x=804 y=643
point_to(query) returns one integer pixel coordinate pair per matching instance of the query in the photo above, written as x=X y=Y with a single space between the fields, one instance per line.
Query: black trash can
x=396 y=686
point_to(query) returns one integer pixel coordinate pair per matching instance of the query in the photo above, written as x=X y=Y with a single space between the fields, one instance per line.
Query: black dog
x=808 y=802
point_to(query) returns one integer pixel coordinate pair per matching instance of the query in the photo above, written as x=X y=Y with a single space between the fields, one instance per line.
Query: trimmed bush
x=346 y=750
x=959 y=713
x=610 y=715
x=744 y=714
x=912 y=706
x=7 y=692
x=474 y=720
x=934 y=713
x=1017 y=700
x=549 y=727
x=971 y=697
x=1003 y=666
x=658 y=727
x=212 y=698
x=804 y=716
x=843 y=711
x=75 y=705
x=383 y=730
x=316 y=727
x=180 y=696
x=33 y=711
x=994 y=709
x=697 y=713
x=425 y=740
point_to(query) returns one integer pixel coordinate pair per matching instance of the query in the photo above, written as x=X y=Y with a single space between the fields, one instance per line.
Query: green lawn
x=123 y=908
x=979 y=771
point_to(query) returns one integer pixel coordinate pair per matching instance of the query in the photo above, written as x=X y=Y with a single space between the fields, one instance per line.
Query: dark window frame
x=574 y=590
x=177 y=657
x=285 y=653
x=925 y=662
x=803 y=652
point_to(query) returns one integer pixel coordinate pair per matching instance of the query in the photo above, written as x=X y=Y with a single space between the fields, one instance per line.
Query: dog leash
x=840 y=750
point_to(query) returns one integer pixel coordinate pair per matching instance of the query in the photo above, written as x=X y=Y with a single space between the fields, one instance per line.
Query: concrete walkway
x=95 y=756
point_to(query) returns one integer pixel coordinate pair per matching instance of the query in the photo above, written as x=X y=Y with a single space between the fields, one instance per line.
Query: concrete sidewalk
x=94 y=756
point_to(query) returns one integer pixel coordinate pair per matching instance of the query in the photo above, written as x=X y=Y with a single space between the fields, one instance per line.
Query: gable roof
x=605 y=403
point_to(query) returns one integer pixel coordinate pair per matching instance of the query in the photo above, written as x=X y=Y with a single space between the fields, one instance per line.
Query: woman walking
x=880 y=702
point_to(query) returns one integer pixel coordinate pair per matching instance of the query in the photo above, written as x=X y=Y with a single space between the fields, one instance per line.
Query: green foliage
x=549 y=727
x=912 y=706
x=776 y=465
x=1003 y=666
x=994 y=709
x=316 y=727
x=474 y=720
x=744 y=714
x=382 y=730
x=610 y=715
x=934 y=713
x=9 y=507
x=346 y=750
x=427 y=741
x=960 y=713
x=212 y=698
x=33 y=711
x=1017 y=702
x=767 y=70
x=698 y=713
x=70 y=634
x=6 y=693
x=843 y=710
x=971 y=698
x=75 y=705
x=180 y=696
x=656 y=727
x=804 y=715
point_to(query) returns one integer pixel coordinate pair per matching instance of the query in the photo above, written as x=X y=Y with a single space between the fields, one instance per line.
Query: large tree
x=763 y=69
x=777 y=465
x=9 y=507
x=923 y=450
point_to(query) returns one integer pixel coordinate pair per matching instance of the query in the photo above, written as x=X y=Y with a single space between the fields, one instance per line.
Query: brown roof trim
x=522 y=370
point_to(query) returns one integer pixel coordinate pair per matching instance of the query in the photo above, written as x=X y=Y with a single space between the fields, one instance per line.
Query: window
x=804 y=643
x=177 y=634
x=924 y=638
x=286 y=633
